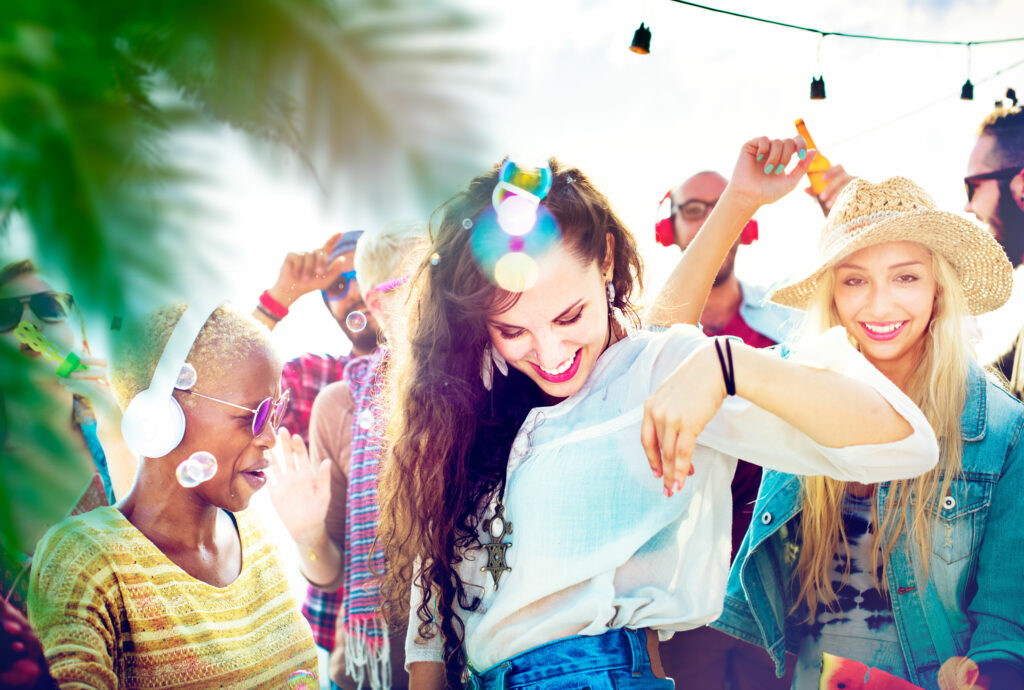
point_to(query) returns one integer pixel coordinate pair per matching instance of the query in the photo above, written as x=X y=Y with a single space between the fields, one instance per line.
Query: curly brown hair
x=448 y=437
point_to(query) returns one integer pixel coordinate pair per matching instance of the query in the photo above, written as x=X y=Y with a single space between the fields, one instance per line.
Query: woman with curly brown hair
x=520 y=398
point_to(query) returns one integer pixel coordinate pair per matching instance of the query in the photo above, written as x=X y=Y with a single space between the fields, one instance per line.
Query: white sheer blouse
x=596 y=544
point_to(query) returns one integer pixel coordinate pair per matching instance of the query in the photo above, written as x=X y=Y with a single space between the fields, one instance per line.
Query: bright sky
x=640 y=124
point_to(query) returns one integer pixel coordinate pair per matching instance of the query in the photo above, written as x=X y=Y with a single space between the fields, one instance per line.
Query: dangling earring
x=491 y=359
x=609 y=289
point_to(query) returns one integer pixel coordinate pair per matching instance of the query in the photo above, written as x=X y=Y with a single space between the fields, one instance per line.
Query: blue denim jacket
x=973 y=600
x=773 y=320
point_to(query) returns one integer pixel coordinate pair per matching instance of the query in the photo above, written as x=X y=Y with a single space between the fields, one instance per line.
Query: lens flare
x=198 y=468
x=302 y=680
x=517 y=215
x=532 y=176
x=186 y=377
x=355 y=321
x=516 y=272
x=490 y=243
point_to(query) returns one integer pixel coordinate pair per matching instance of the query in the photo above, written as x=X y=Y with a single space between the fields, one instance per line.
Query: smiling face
x=226 y=431
x=558 y=328
x=885 y=296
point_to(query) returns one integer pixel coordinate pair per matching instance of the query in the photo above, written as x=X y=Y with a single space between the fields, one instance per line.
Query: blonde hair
x=382 y=255
x=939 y=389
x=229 y=336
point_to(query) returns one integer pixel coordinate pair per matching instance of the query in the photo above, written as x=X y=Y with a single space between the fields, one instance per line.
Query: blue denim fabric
x=773 y=320
x=616 y=659
x=972 y=602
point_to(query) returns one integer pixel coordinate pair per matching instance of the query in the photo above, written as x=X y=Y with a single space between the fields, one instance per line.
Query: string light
x=641 y=41
x=967 y=90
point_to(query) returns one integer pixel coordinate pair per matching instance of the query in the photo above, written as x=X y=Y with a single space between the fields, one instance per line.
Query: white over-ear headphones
x=154 y=423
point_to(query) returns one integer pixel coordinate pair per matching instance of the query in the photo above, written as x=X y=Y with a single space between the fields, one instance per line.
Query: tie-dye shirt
x=861 y=626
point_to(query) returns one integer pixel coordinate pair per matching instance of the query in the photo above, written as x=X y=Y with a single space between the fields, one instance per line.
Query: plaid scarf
x=367 y=642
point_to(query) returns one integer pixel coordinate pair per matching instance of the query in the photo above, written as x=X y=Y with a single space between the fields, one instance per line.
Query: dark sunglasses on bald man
x=972 y=181
x=49 y=307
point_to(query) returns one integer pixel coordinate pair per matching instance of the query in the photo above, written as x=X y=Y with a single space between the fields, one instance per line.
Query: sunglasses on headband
x=269 y=409
x=971 y=182
x=340 y=287
x=49 y=307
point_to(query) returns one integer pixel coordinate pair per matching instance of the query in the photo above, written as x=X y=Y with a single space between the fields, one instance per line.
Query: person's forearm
x=426 y=675
x=320 y=561
x=682 y=298
x=833 y=410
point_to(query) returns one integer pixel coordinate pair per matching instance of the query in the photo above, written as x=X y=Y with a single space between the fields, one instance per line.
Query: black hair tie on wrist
x=728 y=374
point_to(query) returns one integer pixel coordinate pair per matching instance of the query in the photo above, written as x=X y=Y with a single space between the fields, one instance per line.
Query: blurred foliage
x=369 y=94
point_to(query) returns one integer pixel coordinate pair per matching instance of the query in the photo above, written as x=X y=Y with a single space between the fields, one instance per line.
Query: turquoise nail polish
x=760 y=157
x=768 y=169
x=779 y=170
x=802 y=153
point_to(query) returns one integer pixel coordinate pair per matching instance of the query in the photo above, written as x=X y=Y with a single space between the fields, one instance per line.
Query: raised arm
x=301 y=272
x=843 y=419
x=754 y=183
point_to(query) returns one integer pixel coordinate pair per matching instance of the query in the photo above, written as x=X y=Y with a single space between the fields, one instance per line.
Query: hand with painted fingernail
x=760 y=175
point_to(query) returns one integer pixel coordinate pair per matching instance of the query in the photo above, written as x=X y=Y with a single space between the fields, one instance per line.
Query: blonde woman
x=904 y=575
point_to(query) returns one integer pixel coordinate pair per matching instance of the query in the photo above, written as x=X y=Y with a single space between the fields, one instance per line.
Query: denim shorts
x=616 y=659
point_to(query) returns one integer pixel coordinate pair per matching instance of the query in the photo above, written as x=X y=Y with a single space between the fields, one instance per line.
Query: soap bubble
x=435 y=259
x=198 y=468
x=366 y=419
x=516 y=272
x=355 y=321
x=302 y=680
x=186 y=377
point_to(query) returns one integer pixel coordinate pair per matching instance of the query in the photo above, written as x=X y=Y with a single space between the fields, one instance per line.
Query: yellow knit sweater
x=113 y=611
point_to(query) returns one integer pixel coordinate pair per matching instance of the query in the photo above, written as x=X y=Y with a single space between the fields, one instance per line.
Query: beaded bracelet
x=728 y=373
x=266 y=312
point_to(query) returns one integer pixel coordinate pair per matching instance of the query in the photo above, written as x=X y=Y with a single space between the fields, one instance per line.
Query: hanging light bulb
x=641 y=41
x=967 y=90
x=818 y=88
x=1012 y=95
x=818 y=85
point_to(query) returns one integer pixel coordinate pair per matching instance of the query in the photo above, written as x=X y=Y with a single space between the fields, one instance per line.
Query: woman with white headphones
x=176 y=585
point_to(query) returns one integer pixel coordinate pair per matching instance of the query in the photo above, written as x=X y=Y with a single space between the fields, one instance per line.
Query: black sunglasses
x=695 y=209
x=49 y=307
x=971 y=183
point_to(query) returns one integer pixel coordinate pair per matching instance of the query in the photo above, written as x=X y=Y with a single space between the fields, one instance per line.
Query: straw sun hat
x=897 y=210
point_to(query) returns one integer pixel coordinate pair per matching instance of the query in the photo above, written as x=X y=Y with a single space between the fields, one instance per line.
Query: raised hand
x=300 y=489
x=304 y=272
x=760 y=175
x=676 y=413
x=836 y=178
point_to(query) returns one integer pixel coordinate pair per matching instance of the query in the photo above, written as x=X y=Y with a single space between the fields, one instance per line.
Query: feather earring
x=491 y=359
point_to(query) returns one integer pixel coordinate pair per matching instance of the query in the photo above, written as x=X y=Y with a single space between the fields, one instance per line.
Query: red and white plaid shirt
x=304 y=376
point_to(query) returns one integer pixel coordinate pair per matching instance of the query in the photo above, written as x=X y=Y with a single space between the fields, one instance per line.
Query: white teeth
x=882 y=330
x=562 y=368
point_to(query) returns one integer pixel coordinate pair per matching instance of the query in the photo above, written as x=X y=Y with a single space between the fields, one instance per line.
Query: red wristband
x=273 y=306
